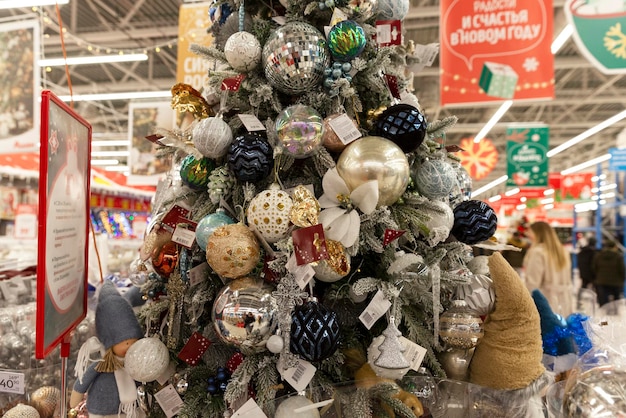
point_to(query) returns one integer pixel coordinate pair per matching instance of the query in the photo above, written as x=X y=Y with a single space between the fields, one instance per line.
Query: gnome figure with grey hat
x=111 y=392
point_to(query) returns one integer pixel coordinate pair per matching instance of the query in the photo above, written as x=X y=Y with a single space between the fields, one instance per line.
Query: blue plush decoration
x=474 y=221
x=556 y=338
x=314 y=331
x=250 y=157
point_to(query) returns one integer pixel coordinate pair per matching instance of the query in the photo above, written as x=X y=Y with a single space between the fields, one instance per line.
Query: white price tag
x=338 y=16
x=251 y=122
x=302 y=274
x=250 y=409
x=169 y=372
x=169 y=400
x=198 y=274
x=183 y=236
x=413 y=353
x=383 y=34
x=300 y=376
x=345 y=129
x=376 y=308
x=427 y=53
x=11 y=382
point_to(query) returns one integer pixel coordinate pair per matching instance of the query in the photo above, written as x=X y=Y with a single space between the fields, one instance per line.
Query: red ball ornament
x=165 y=259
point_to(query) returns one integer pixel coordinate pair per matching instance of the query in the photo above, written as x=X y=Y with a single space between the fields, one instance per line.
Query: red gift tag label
x=194 y=349
x=175 y=216
x=155 y=139
x=233 y=83
x=392 y=83
x=309 y=244
x=391 y=235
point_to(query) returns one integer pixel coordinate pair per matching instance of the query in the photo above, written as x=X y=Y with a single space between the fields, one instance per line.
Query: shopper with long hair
x=547 y=267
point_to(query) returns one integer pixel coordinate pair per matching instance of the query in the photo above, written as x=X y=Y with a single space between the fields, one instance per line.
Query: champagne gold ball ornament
x=375 y=158
x=46 y=401
x=232 y=251
x=269 y=213
x=245 y=313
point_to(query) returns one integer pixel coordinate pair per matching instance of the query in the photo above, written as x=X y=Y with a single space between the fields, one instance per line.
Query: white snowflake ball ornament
x=243 y=51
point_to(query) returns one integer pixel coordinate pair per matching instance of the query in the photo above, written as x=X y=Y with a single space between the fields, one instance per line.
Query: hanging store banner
x=193 y=25
x=526 y=159
x=600 y=32
x=143 y=119
x=494 y=50
x=618 y=159
x=478 y=158
x=19 y=87
x=576 y=187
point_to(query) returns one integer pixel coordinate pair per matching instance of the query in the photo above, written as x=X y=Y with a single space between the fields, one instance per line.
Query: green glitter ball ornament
x=346 y=40
x=195 y=172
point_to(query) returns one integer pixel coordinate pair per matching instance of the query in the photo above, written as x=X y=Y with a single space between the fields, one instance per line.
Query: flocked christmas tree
x=319 y=193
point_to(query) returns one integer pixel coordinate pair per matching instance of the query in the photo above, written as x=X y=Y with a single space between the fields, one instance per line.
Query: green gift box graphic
x=498 y=80
x=600 y=32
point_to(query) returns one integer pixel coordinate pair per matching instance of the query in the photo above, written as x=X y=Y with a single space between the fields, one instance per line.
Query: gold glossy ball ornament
x=375 y=158
x=269 y=213
x=336 y=267
x=232 y=251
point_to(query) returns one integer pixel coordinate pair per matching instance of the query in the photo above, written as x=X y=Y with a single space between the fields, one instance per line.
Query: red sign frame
x=64 y=186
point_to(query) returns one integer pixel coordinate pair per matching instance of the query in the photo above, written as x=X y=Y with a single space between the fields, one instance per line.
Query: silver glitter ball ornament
x=295 y=57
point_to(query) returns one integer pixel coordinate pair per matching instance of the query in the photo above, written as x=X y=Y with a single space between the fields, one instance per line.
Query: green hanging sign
x=526 y=159
x=600 y=32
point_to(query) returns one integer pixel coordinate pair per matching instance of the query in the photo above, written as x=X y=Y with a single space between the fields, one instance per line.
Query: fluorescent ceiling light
x=488 y=186
x=495 y=198
x=494 y=119
x=110 y=153
x=92 y=59
x=561 y=38
x=512 y=192
x=592 y=131
x=14 y=4
x=118 y=96
x=586 y=164
x=104 y=162
x=122 y=168
x=109 y=143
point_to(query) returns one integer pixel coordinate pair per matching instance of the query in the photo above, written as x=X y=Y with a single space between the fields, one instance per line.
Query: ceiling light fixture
x=495 y=198
x=492 y=122
x=92 y=59
x=586 y=164
x=105 y=162
x=512 y=192
x=589 y=132
x=121 y=168
x=561 y=38
x=488 y=186
x=15 y=4
x=118 y=96
x=110 y=153
x=110 y=143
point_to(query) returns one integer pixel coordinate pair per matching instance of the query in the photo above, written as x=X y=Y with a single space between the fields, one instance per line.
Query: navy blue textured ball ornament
x=314 y=331
x=474 y=221
x=250 y=157
x=403 y=124
x=195 y=172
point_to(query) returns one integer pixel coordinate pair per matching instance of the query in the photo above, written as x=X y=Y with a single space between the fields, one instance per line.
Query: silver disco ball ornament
x=295 y=57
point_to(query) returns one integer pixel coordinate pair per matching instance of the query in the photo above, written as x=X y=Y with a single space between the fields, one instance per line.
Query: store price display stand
x=64 y=188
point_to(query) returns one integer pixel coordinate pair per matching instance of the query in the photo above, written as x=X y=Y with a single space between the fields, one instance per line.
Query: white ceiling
x=584 y=96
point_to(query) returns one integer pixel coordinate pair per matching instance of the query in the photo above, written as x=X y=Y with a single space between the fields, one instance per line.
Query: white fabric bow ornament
x=340 y=219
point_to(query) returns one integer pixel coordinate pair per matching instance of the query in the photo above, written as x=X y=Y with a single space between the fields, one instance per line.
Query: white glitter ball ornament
x=392 y=9
x=147 y=359
x=288 y=407
x=243 y=51
x=434 y=178
x=269 y=212
x=212 y=137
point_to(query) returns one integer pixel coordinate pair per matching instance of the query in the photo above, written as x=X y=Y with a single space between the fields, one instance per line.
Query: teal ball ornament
x=346 y=40
x=195 y=172
x=250 y=157
x=208 y=224
x=434 y=178
x=300 y=130
x=474 y=221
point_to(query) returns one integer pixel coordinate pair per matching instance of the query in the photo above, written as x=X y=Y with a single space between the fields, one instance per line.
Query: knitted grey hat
x=115 y=318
